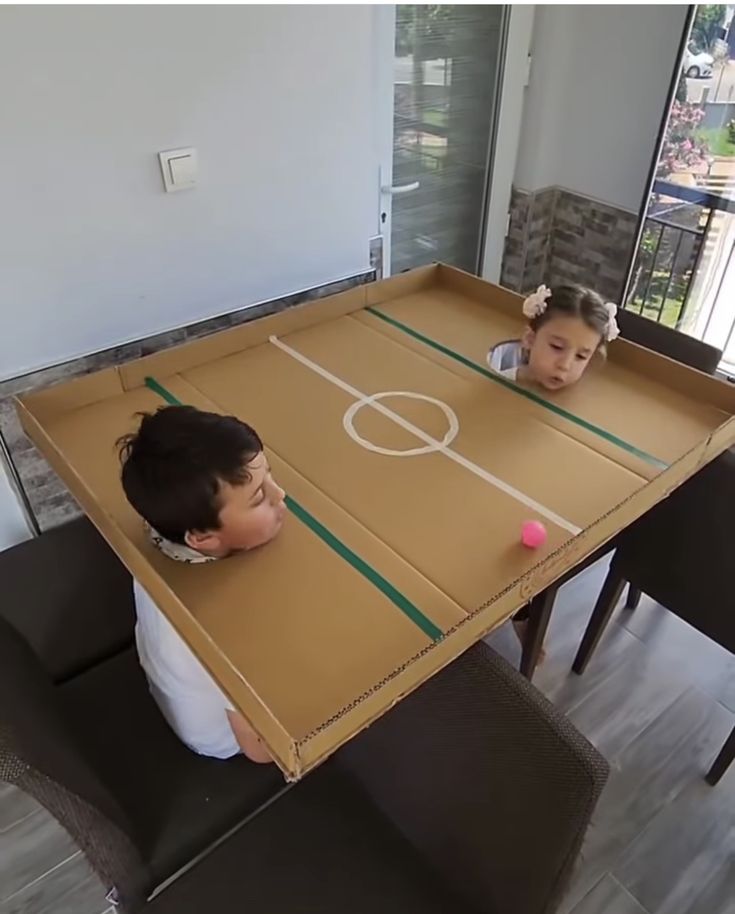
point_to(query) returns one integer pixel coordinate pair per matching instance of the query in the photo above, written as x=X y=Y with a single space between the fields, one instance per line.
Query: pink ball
x=533 y=534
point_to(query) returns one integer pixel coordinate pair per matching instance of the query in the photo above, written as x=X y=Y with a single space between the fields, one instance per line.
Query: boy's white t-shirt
x=190 y=700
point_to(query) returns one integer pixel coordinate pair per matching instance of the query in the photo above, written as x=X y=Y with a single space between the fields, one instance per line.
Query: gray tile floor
x=41 y=870
x=658 y=700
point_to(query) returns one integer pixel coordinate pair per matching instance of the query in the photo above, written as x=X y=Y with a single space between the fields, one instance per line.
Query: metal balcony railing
x=681 y=260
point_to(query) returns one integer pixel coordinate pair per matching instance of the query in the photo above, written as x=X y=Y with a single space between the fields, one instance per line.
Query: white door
x=450 y=93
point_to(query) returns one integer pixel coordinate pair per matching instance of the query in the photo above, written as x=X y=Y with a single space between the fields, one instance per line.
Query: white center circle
x=451 y=433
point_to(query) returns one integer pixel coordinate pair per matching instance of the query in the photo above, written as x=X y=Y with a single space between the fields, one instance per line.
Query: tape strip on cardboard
x=428 y=627
x=438 y=446
x=522 y=391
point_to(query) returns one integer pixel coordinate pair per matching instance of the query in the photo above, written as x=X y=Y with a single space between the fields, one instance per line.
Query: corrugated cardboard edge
x=297 y=757
x=84 y=391
x=37 y=407
x=403 y=284
x=340 y=728
x=180 y=359
x=48 y=402
x=268 y=727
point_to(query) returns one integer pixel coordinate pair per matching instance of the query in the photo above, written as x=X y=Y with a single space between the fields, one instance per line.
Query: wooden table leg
x=539 y=613
x=633 y=598
x=723 y=760
x=601 y=614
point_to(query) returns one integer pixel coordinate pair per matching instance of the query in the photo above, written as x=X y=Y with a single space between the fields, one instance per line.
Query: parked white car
x=697 y=64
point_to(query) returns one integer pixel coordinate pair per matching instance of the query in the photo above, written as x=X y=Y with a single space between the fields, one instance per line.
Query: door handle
x=400 y=188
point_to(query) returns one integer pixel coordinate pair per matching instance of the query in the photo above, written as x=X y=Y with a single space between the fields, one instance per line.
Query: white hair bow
x=535 y=303
x=613 y=331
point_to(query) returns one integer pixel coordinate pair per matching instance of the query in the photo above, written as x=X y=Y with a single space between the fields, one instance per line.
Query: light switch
x=178 y=168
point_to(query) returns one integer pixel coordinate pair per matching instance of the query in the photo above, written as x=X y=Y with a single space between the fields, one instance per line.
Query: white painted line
x=348 y=421
x=427 y=439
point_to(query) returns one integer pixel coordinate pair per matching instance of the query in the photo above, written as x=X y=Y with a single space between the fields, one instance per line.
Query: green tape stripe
x=336 y=545
x=367 y=571
x=522 y=391
x=162 y=392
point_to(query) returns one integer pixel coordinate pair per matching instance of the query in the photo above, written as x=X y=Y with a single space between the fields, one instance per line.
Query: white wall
x=13 y=526
x=598 y=88
x=92 y=251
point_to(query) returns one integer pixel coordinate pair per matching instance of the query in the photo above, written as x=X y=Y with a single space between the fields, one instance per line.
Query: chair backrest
x=69 y=596
x=486 y=779
x=681 y=552
x=39 y=755
x=668 y=342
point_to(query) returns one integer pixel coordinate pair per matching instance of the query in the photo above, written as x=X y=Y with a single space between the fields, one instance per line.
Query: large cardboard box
x=409 y=468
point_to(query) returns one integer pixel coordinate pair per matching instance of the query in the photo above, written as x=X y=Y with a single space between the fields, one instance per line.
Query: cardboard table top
x=409 y=469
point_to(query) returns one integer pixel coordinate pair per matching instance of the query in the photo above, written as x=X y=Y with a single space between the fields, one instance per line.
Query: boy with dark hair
x=202 y=484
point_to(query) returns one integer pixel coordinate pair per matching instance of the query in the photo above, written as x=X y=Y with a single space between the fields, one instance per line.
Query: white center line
x=423 y=436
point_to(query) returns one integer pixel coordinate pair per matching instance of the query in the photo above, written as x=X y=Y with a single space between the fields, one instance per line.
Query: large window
x=684 y=271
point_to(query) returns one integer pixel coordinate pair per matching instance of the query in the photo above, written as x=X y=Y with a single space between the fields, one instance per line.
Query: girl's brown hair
x=576 y=301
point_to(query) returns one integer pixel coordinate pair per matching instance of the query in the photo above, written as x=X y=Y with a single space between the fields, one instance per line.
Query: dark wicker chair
x=669 y=342
x=423 y=813
x=680 y=553
x=675 y=345
x=82 y=719
x=50 y=585
x=487 y=780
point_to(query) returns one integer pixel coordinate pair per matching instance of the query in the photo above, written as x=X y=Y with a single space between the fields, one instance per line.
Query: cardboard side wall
x=219 y=345
x=262 y=720
x=674 y=374
x=209 y=372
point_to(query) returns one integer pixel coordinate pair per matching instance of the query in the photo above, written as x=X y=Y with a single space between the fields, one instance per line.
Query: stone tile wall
x=592 y=244
x=558 y=236
x=539 y=237
x=514 y=255
x=50 y=500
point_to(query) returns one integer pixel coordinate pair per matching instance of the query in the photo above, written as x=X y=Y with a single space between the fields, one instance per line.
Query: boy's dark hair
x=575 y=301
x=174 y=465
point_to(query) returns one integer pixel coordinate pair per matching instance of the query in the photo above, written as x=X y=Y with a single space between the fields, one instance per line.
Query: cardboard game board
x=409 y=469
